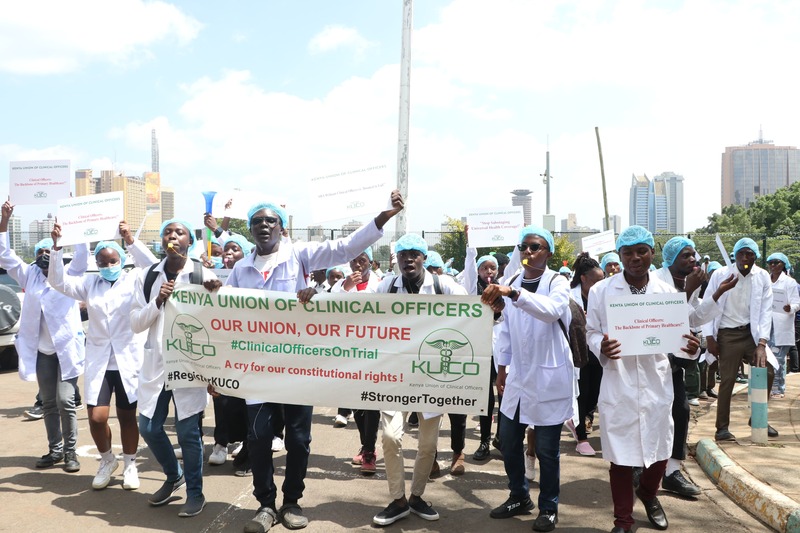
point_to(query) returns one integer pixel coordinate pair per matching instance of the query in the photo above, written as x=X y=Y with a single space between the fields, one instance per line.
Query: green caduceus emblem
x=446 y=349
x=188 y=330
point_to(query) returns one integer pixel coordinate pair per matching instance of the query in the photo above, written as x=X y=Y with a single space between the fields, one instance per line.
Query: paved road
x=337 y=497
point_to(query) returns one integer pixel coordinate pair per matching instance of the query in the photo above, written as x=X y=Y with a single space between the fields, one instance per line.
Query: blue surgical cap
x=368 y=251
x=781 y=257
x=672 y=248
x=633 y=235
x=610 y=257
x=114 y=246
x=713 y=265
x=653 y=267
x=746 y=243
x=483 y=259
x=564 y=270
x=44 y=243
x=411 y=241
x=539 y=232
x=281 y=212
x=243 y=243
x=183 y=223
x=341 y=268
x=434 y=260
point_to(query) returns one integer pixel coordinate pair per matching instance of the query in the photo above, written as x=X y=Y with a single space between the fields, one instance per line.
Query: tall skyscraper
x=523 y=197
x=40 y=229
x=85 y=184
x=133 y=191
x=657 y=204
x=569 y=223
x=15 y=237
x=154 y=152
x=757 y=169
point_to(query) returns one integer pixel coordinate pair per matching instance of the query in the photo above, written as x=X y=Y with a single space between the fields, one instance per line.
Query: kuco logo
x=651 y=341
x=89 y=232
x=497 y=237
x=446 y=355
x=40 y=194
x=190 y=338
x=355 y=205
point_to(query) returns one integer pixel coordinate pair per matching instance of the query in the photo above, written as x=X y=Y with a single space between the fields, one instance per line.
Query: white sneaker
x=237 y=449
x=694 y=401
x=277 y=444
x=130 y=477
x=218 y=455
x=339 y=421
x=103 y=477
x=530 y=467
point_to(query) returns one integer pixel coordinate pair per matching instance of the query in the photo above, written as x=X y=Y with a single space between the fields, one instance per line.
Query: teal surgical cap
x=183 y=223
x=114 y=246
x=564 y=270
x=368 y=251
x=713 y=265
x=539 y=232
x=243 y=243
x=780 y=257
x=434 y=260
x=672 y=248
x=281 y=212
x=633 y=235
x=411 y=241
x=483 y=259
x=44 y=243
x=746 y=243
x=653 y=267
x=341 y=268
x=610 y=257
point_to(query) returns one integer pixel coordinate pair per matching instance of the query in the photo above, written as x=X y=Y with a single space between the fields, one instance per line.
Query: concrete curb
x=759 y=499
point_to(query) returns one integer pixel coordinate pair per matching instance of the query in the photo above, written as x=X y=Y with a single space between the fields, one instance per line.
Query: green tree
x=564 y=252
x=453 y=243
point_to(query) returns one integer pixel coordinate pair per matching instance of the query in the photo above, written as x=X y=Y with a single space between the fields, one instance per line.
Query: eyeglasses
x=535 y=247
x=774 y=262
x=255 y=221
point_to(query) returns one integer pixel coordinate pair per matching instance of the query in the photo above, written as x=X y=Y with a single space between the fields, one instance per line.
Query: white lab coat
x=109 y=321
x=448 y=286
x=760 y=300
x=782 y=321
x=530 y=339
x=372 y=285
x=148 y=317
x=636 y=391
x=61 y=314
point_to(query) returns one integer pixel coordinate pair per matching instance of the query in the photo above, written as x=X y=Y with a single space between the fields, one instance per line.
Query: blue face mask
x=217 y=262
x=111 y=273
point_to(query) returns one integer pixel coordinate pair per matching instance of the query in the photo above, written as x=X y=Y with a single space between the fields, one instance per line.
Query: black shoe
x=771 y=431
x=677 y=483
x=512 y=507
x=71 y=463
x=482 y=453
x=391 y=514
x=413 y=420
x=637 y=473
x=192 y=507
x=164 y=494
x=546 y=521
x=50 y=459
x=618 y=529
x=655 y=513
x=723 y=435
x=711 y=393
x=497 y=443
x=422 y=509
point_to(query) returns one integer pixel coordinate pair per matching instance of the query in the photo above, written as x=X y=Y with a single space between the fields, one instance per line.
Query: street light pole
x=401 y=221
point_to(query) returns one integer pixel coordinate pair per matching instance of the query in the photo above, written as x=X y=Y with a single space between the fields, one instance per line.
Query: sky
x=264 y=95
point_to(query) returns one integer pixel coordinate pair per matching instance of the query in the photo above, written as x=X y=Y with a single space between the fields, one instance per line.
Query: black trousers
x=589 y=386
x=680 y=414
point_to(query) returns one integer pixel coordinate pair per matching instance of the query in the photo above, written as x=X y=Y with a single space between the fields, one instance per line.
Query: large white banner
x=90 y=218
x=495 y=227
x=365 y=351
x=38 y=182
x=349 y=194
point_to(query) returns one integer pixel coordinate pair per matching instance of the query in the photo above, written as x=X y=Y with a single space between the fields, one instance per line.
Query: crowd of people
x=640 y=402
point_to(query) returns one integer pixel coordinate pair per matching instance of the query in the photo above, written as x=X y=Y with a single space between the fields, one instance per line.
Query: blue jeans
x=58 y=404
x=779 y=385
x=259 y=441
x=188 y=430
x=512 y=434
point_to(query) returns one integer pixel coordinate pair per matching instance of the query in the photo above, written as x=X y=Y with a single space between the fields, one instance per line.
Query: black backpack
x=195 y=277
x=576 y=336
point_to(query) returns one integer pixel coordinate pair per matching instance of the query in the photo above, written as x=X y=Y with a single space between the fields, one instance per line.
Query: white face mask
x=111 y=273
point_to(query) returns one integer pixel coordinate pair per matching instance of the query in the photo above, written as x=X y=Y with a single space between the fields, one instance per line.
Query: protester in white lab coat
x=784 y=289
x=539 y=392
x=113 y=351
x=636 y=391
x=50 y=343
x=147 y=314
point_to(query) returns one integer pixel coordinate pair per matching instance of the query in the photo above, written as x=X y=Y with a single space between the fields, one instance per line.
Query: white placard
x=349 y=194
x=241 y=202
x=779 y=299
x=725 y=256
x=38 y=182
x=648 y=323
x=491 y=228
x=599 y=242
x=90 y=218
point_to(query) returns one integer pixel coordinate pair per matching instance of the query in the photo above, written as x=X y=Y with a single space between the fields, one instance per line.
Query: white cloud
x=50 y=36
x=335 y=37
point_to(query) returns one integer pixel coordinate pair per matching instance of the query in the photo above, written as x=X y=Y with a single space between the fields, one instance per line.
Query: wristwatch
x=218 y=232
x=514 y=295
